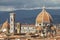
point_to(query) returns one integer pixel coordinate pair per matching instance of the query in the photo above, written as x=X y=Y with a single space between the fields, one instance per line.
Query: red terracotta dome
x=5 y=24
x=44 y=16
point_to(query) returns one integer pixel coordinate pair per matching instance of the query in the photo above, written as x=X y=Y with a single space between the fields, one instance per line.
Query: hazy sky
x=16 y=4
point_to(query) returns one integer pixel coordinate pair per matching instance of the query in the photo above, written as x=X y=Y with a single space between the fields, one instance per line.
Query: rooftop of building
x=44 y=16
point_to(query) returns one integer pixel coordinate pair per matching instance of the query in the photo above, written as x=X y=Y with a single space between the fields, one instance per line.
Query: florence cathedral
x=43 y=28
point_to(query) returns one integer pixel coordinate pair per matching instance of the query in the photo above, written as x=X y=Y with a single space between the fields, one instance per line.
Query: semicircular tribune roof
x=44 y=16
x=5 y=24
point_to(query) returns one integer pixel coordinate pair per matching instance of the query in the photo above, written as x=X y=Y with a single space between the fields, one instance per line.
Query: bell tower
x=12 y=24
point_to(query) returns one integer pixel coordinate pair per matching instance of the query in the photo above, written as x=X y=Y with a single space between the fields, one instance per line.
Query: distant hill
x=29 y=16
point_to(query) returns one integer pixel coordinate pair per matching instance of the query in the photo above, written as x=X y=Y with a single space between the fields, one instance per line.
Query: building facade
x=28 y=29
